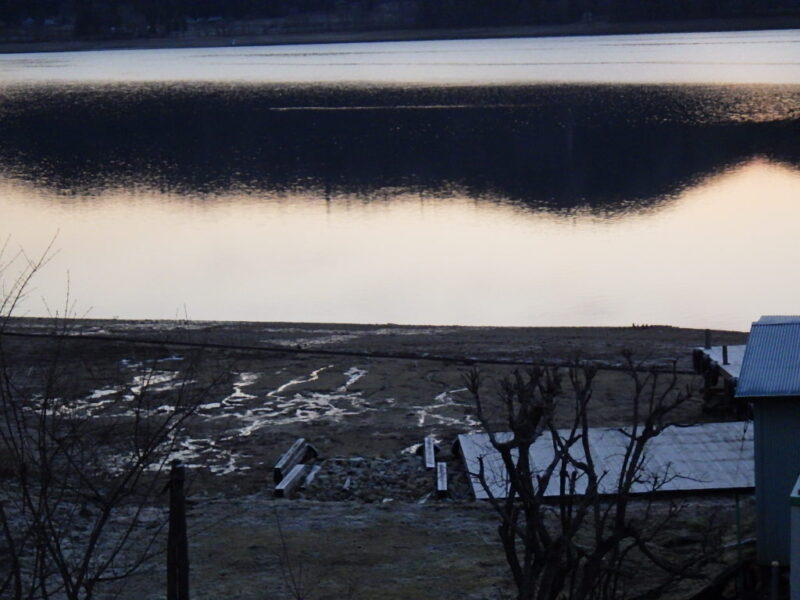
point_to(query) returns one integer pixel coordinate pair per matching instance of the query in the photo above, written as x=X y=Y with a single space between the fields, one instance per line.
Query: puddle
x=446 y=401
x=322 y=337
x=143 y=380
x=248 y=406
x=311 y=342
x=237 y=397
x=137 y=364
x=282 y=408
x=353 y=374
x=314 y=376
x=154 y=381
x=193 y=453
x=407 y=331
x=197 y=453
x=250 y=412
x=411 y=450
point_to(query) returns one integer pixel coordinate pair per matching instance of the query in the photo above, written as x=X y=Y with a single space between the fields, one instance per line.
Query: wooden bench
x=291 y=482
x=299 y=477
x=299 y=451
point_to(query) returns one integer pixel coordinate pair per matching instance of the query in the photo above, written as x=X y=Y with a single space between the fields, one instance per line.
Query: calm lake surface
x=572 y=181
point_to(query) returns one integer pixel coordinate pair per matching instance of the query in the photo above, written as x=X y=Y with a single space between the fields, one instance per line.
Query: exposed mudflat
x=368 y=526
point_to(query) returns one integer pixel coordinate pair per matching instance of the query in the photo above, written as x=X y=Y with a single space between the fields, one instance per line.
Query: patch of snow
x=353 y=374
x=446 y=400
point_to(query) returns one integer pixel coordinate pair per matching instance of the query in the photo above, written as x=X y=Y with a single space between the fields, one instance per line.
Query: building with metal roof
x=771 y=362
x=770 y=380
x=699 y=458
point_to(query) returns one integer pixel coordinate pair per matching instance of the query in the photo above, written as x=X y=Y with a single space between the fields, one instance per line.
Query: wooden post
x=430 y=453
x=739 y=574
x=708 y=339
x=725 y=355
x=775 y=573
x=441 y=479
x=177 y=546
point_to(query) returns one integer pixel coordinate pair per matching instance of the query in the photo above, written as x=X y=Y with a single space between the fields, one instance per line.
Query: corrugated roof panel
x=701 y=457
x=778 y=319
x=735 y=357
x=771 y=363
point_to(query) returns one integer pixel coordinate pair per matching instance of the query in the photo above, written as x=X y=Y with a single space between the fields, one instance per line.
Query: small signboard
x=430 y=453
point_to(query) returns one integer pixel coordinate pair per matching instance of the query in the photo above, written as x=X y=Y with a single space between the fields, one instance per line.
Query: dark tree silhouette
x=583 y=544
x=81 y=501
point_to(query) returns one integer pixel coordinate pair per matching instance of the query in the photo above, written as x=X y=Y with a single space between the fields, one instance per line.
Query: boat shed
x=770 y=380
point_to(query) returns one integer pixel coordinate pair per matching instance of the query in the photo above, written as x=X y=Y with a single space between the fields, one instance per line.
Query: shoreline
x=144 y=323
x=448 y=343
x=405 y=35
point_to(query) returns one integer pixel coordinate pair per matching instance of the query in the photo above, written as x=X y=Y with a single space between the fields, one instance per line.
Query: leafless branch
x=580 y=549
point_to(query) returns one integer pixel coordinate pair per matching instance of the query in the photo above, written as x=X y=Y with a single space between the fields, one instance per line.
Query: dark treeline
x=61 y=19
x=554 y=148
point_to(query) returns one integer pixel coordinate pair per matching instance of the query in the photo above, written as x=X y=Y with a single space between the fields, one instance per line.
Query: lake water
x=573 y=181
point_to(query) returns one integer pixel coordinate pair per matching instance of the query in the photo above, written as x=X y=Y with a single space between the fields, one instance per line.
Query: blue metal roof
x=777 y=320
x=771 y=363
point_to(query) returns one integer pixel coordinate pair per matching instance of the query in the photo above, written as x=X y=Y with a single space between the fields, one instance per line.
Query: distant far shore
x=571 y=29
x=657 y=343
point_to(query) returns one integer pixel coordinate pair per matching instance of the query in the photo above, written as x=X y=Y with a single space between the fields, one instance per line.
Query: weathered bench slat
x=291 y=483
x=312 y=472
x=289 y=459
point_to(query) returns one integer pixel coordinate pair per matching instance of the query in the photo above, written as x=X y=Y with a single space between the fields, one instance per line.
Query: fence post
x=794 y=554
x=774 y=574
x=177 y=547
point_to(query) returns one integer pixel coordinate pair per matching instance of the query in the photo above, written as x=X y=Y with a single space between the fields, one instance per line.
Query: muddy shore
x=383 y=535
x=362 y=403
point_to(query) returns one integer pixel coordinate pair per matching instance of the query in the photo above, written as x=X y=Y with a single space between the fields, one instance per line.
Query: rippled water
x=566 y=181
x=738 y=57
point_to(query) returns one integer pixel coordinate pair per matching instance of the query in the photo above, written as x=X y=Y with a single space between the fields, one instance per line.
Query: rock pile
x=403 y=479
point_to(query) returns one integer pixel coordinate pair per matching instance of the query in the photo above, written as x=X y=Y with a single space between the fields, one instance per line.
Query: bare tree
x=81 y=470
x=582 y=545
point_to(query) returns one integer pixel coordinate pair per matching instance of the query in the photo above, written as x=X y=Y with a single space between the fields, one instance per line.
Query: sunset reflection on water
x=599 y=180
x=718 y=254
